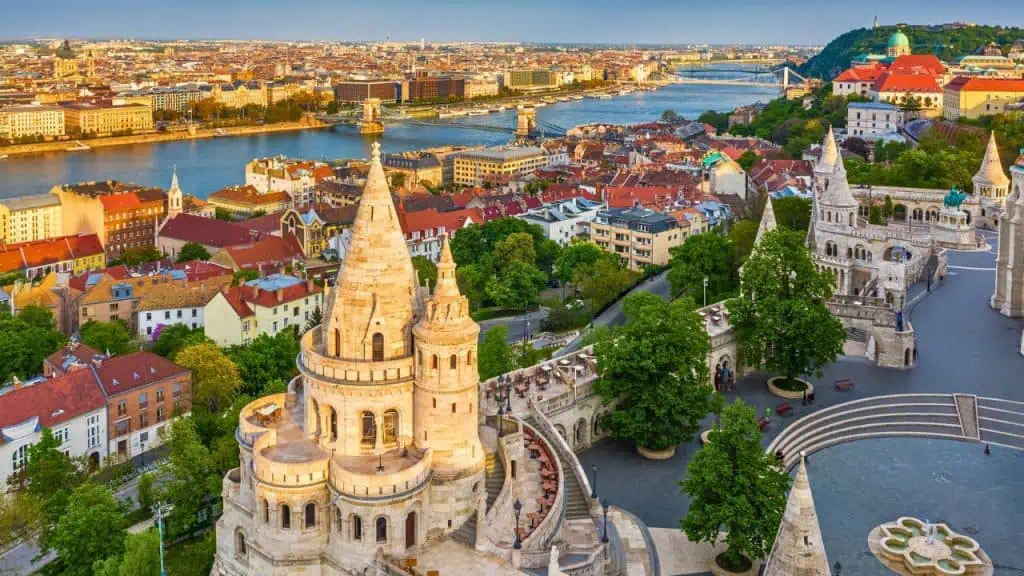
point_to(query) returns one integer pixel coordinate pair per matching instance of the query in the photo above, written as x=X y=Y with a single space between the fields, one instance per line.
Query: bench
x=762 y=423
x=844 y=384
x=784 y=409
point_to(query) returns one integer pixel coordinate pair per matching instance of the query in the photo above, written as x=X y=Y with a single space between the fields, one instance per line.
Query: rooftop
x=505 y=154
x=30 y=202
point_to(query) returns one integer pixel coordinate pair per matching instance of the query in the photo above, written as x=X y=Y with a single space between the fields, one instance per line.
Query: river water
x=205 y=166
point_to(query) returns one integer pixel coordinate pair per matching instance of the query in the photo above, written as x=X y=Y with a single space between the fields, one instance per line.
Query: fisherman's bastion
x=387 y=455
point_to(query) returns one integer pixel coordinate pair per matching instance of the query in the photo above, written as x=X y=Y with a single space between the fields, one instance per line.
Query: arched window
x=310 y=515
x=469 y=358
x=286 y=517
x=240 y=548
x=357 y=528
x=337 y=343
x=382 y=529
x=851 y=218
x=378 y=347
x=337 y=521
x=266 y=512
x=453 y=362
x=433 y=362
x=333 y=424
x=390 y=427
x=369 y=429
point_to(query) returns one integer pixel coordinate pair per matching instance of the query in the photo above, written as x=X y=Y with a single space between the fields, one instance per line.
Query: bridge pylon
x=526 y=123
x=371 y=121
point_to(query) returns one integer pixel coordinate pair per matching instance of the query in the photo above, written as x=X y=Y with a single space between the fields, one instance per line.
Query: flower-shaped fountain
x=910 y=546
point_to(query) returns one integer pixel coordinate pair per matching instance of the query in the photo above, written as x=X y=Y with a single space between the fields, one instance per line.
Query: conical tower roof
x=767 y=221
x=798 y=548
x=376 y=287
x=991 y=171
x=829 y=154
x=174 y=179
x=447 y=310
x=838 y=194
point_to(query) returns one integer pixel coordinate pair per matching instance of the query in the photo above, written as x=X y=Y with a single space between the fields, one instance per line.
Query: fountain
x=912 y=547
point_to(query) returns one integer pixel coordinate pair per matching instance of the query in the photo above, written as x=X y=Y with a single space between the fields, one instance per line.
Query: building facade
x=30 y=218
x=104 y=118
x=640 y=236
x=873 y=120
x=245 y=201
x=564 y=220
x=1008 y=297
x=476 y=167
x=28 y=121
x=972 y=98
x=239 y=314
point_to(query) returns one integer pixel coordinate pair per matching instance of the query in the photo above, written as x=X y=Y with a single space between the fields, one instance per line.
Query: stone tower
x=1008 y=298
x=174 y=196
x=991 y=184
x=798 y=549
x=836 y=200
x=826 y=164
x=445 y=406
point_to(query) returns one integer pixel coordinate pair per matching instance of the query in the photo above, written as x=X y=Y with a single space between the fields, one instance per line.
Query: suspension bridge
x=760 y=76
x=372 y=118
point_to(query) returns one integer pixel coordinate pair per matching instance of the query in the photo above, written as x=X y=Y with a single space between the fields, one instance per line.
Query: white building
x=73 y=407
x=176 y=303
x=277 y=174
x=873 y=120
x=727 y=177
x=565 y=219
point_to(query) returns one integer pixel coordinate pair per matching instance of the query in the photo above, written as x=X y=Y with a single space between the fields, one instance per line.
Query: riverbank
x=63 y=146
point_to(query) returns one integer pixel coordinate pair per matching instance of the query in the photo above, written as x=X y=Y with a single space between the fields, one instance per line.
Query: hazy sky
x=617 y=21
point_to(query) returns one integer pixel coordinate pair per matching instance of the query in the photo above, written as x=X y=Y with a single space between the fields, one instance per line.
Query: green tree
x=887 y=208
x=172 y=339
x=495 y=356
x=224 y=214
x=518 y=287
x=141 y=557
x=242 y=276
x=747 y=160
x=718 y=120
x=579 y=255
x=114 y=337
x=20 y=517
x=48 y=477
x=189 y=476
x=193 y=251
x=701 y=256
x=91 y=529
x=743 y=233
x=793 y=213
x=24 y=345
x=265 y=359
x=603 y=282
x=875 y=216
x=517 y=247
x=146 y=490
x=781 y=317
x=136 y=256
x=214 y=376
x=654 y=370
x=671 y=117
x=316 y=318
x=734 y=485
x=426 y=269
x=37 y=317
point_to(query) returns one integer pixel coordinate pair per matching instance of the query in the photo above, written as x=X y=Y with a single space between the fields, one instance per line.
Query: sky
x=564 y=21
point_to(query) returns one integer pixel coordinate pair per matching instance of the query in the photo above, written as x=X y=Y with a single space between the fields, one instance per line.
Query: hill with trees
x=949 y=44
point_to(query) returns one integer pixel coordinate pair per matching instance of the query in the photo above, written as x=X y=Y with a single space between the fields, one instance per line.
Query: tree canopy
x=215 y=377
x=91 y=529
x=265 y=359
x=189 y=475
x=719 y=120
x=793 y=213
x=172 y=339
x=114 y=336
x=141 y=557
x=701 y=256
x=743 y=233
x=426 y=270
x=781 y=318
x=193 y=251
x=734 y=485
x=654 y=370
x=494 y=356
x=48 y=476
x=27 y=340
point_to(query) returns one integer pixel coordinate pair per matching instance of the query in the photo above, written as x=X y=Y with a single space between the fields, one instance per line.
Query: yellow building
x=239 y=314
x=971 y=97
x=88 y=253
x=239 y=94
x=30 y=218
x=494 y=164
x=106 y=118
x=32 y=120
x=640 y=236
x=244 y=201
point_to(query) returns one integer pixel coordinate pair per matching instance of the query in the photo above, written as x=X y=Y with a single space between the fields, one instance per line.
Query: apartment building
x=640 y=236
x=176 y=303
x=31 y=120
x=416 y=167
x=475 y=167
x=123 y=215
x=278 y=174
x=30 y=218
x=128 y=299
x=263 y=306
x=873 y=120
x=970 y=97
x=104 y=118
x=564 y=220
x=356 y=91
x=174 y=98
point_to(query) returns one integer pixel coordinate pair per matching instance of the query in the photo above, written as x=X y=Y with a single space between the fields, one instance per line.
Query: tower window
x=453 y=407
x=453 y=361
x=378 y=347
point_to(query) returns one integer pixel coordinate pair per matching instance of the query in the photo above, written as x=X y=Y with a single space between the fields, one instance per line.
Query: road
x=517 y=325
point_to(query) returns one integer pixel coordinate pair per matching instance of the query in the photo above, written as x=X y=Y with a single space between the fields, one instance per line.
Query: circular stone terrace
x=965 y=349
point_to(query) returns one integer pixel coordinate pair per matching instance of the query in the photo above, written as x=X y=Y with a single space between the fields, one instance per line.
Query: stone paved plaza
x=964 y=347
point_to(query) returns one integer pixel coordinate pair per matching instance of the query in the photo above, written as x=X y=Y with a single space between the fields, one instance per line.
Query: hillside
x=949 y=45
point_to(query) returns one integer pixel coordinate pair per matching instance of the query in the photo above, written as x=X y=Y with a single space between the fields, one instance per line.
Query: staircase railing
x=502 y=506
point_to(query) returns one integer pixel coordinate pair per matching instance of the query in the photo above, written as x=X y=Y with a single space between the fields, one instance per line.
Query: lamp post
x=593 y=482
x=604 y=506
x=517 y=506
x=499 y=390
x=706 y=289
x=160 y=510
x=508 y=396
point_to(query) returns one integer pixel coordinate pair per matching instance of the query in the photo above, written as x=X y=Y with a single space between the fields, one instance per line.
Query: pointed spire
x=991 y=174
x=767 y=221
x=838 y=194
x=174 y=178
x=829 y=153
x=798 y=548
x=446 y=284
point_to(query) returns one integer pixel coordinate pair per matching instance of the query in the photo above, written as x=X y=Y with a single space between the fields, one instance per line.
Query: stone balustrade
x=538 y=540
x=340 y=371
x=502 y=509
x=380 y=485
x=277 y=464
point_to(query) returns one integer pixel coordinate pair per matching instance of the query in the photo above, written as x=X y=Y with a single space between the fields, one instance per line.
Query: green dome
x=899 y=40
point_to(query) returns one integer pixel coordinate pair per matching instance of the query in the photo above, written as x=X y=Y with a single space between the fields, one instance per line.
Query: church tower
x=1008 y=298
x=445 y=415
x=174 y=196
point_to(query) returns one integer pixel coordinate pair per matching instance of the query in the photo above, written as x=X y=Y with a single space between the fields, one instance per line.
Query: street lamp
x=706 y=290
x=604 y=505
x=593 y=483
x=499 y=390
x=517 y=506
x=160 y=510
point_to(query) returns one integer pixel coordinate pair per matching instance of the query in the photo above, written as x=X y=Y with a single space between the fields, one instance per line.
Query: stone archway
x=580 y=433
x=899 y=212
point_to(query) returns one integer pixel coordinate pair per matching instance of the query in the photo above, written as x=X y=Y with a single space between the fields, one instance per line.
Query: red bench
x=844 y=384
x=784 y=409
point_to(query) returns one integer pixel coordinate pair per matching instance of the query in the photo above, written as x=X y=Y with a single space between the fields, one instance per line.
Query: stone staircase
x=494 y=471
x=466 y=534
x=576 y=502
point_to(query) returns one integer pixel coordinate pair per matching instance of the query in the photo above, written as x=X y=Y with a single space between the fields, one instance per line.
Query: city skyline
x=570 y=21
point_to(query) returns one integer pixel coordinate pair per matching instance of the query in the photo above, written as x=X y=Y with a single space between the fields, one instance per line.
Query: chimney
x=280 y=294
x=309 y=285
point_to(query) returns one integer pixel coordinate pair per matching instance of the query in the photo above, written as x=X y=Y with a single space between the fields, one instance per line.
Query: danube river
x=205 y=166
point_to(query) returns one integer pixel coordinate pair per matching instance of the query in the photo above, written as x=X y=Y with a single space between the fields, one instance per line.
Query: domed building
x=375 y=446
x=899 y=44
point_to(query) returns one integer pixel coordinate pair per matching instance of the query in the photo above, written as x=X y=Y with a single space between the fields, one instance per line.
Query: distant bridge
x=372 y=118
x=781 y=78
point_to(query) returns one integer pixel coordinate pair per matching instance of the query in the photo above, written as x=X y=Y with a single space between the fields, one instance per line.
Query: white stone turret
x=836 y=201
x=798 y=549
x=1008 y=297
x=767 y=221
x=990 y=181
x=826 y=164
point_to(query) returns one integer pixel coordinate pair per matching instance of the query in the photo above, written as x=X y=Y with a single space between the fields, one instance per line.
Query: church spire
x=767 y=221
x=990 y=174
x=829 y=154
x=798 y=548
x=837 y=194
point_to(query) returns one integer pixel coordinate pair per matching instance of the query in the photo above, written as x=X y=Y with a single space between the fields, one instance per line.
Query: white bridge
x=781 y=78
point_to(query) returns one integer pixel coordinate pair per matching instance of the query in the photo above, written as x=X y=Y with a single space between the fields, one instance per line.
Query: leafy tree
x=495 y=355
x=781 y=318
x=734 y=485
x=193 y=251
x=136 y=256
x=189 y=475
x=224 y=214
x=654 y=368
x=910 y=103
x=91 y=529
x=701 y=256
x=603 y=282
x=747 y=160
x=316 y=318
x=172 y=339
x=743 y=233
x=576 y=256
x=265 y=359
x=37 y=317
x=671 y=117
x=20 y=517
x=858 y=146
x=114 y=337
x=518 y=286
x=548 y=252
x=141 y=557
x=719 y=120
x=48 y=477
x=25 y=344
x=242 y=276
x=887 y=208
x=146 y=490
x=517 y=247
x=875 y=216
x=793 y=213
x=472 y=281
x=214 y=376
x=426 y=269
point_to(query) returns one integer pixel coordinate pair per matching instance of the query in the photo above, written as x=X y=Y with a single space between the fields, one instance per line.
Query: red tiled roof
x=266 y=224
x=513 y=208
x=917 y=64
x=915 y=83
x=131 y=371
x=652 y=196
x=205 y=231
x=197 y=271
x=860 y=74
x=270 y=250
x=249 y=195
x=970 y=84
x=53 y=401
x=10 y=261
x=269 y=298
x=46 y=252
x=120 y=202
x=234 y=299
x=533 y=202
x=428 y=220
x=465 y=197
x=85 y=245
x=491 y=213
x=80 y=351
